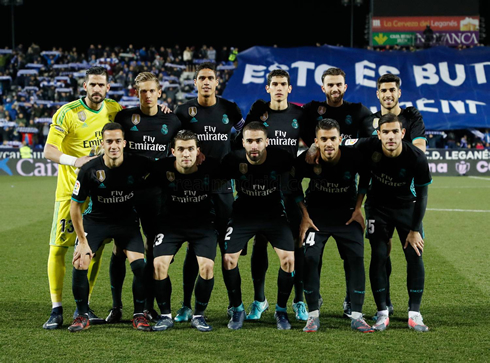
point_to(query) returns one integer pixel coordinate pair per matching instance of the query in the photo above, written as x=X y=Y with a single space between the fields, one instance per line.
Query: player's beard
x=91 y=97
x=257 y=157
x=337 y=100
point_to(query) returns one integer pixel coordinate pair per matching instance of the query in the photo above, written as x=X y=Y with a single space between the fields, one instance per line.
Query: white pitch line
x=479 y=177
x=459 y=210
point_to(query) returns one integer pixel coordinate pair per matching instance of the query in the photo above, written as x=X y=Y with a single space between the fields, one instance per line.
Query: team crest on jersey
x=130 y=180
x=350 y=142
x=402 y=173
x=170 y=176
x=164 y=129
x=294 y=124
x=225 y=119
x=348 y=120
x=347 y=175
x=100 y=174
x=76 y=189
x=376 y=123
x=82 y=116
x=192 y=111
x=135 y=119
x=376 y=157
x=264 y=117
x=321 y=110
x=317 y=169
x=243 y=167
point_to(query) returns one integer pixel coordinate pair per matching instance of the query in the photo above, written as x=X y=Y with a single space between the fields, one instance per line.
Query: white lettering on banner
x=319 y=72
x=483 y=166
x=480 y=72
x=460 y=74
x=40 y=169
x=388 y=69
x=467 y=155
x=425 y=74
x=362 y=70
x=254 y=74
x=461 y=107
x=302 y=71
x=438 y=168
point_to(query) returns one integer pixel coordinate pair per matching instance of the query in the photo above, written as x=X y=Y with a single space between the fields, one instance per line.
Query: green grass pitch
x=454 y=306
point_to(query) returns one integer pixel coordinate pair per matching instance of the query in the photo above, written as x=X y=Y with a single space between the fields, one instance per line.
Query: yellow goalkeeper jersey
x=75 y=130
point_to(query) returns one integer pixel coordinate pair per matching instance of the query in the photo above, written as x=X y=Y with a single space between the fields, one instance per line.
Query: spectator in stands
x=463 y=143
x=188 y=56
x=21 y=119
x=211 y=54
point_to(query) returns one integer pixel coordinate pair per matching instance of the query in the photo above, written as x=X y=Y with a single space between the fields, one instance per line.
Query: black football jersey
x=148 y=136
x=258 y=186
x=411 y=119
x=350 y=116
x=213 y=125
x=111 y=190
x=284 y=127
x=393 y=180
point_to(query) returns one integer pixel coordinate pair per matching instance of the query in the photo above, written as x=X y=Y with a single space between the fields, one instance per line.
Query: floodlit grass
x=455 y=302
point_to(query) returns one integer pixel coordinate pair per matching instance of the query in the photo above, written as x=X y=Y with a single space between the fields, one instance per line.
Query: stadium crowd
x=35 y=83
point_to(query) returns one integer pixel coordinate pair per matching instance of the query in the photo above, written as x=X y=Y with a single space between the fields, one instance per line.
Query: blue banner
x=449 y=87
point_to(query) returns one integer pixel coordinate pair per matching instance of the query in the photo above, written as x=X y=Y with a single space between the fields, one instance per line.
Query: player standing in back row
x=148 y=131
x=212 y=118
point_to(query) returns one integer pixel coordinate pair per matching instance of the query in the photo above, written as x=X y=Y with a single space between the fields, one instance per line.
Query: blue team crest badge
x=82 y=116
x=192 y=111
x=317 y=169
x=347 y=175
x=264 y=117
x=130 y=180
x=348 y=120
x=273 y=175
x=321 y=110
x=402 y=173
x=135 y=119
x=243 y=167
x=225 y=119
x=164 y=129
x=100 y=175
x=170 y=176
x=206 y=181
x=376 y=123
x=294 y=124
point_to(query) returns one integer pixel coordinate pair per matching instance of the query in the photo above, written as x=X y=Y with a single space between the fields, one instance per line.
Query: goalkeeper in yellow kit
x=75 y=131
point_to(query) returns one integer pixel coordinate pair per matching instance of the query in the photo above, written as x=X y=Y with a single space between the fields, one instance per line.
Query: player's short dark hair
x=112 y=126
x=333 y=72
x=255 y=126
x=205 y=65
x=278 y=73
x=184 y=135
x=389 y=117
x=388 y=78
x=327 y=124
x=97 y=71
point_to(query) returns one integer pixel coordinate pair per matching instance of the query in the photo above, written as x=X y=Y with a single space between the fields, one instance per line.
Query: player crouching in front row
x=110 y=181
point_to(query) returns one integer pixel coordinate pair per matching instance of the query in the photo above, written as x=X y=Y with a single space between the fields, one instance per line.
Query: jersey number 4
x=310 y=240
